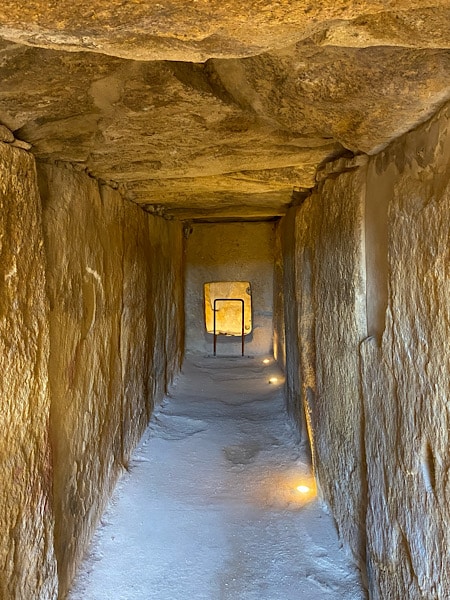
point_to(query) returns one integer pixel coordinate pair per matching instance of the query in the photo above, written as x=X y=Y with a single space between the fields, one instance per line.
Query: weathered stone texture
x=194 y=31
x=104 y=371
x=340 y=325
x=166 y=297
x=137 y=328
x=152 y=329
x=84 y=246
x=288 y=306
x=279 y=321
x=230 y=252
x=372 y=247
x=27 y=561
x=325 y=262
x=406 y=380
x=226 y=138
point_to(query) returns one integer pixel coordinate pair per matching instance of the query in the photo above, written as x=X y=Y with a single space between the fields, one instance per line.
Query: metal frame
x=243 y=319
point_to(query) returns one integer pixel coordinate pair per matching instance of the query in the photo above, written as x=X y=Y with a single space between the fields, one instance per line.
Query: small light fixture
x=273 y=380
x=303 y=489
x=266 y=361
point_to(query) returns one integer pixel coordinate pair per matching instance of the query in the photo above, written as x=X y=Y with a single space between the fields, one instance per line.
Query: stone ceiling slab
x=181 y=136
x=362 y=98
x=197 y=30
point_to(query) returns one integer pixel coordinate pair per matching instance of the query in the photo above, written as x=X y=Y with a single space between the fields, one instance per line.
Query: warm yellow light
x=273 y=380
x=266 y=361
x=304 y=489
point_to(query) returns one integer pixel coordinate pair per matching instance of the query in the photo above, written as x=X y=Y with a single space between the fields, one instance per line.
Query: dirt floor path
x=210 y=509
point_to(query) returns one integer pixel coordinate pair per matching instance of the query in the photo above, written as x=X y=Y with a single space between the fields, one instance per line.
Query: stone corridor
x=209 y=507
x=297 y=151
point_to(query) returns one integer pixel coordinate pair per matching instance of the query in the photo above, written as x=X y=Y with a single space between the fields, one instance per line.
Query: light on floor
x=303 y=489
x=273 y=380
x=266 y=361
x=290 y=489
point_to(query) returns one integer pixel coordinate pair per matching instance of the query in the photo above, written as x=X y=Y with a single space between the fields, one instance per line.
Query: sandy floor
x=210 y=509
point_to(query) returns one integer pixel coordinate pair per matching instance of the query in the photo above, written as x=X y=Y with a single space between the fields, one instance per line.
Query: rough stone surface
x=276 y=96
x=406 y=384
x=151 y=335
x=288 y=306
x=325 y=310
x=136 y=334
x=106 y=363
x=27 y=561
x=230 y=252
x=177 y=30
x=279 y=320
x=166 y=299
x=21 y=144
x=372 y=253
x=84 y=246
x=338 y=291
x=6 y=135
x=226 y=138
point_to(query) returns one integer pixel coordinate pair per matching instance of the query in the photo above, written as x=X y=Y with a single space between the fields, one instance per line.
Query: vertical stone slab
x=135 y=335
x=173 y=252
x=84 y=249
x=307 y=221
x=340 y=327
x=166 y=303
x=330 y=294
x=279 y=325
x=27 y=561
x=406 y=380
x=290 y=309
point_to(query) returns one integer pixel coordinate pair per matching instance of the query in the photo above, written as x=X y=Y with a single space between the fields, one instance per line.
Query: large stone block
x=136 y=328
x=330 y=293
x=84 y=248
x=405 y=375
x=372 y=280
x=177 y=30
x=27 y=561
x=116 y=335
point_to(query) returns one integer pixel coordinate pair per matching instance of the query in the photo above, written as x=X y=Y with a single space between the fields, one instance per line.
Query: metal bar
x=243 y=332
x=242 y=319
x=215 y=334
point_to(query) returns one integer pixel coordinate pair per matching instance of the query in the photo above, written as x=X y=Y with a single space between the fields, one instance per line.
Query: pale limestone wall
x=230 y=252
x=166 y=297
x=287 y=311
x=325 y=280
x=339 y=291
x=115 y=330
x=406 y=379
x=279 y=329
x=135 y=330
x=27 y=561
x=152 y=328
x=373 y=292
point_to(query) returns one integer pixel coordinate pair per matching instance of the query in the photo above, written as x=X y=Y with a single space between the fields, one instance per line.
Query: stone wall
x=92 y=313
x=325 y=322
x=373 y=316
x=286 y=347
x=115 y=341
x=27 y=561
x=405 y=373
x=230 y=252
